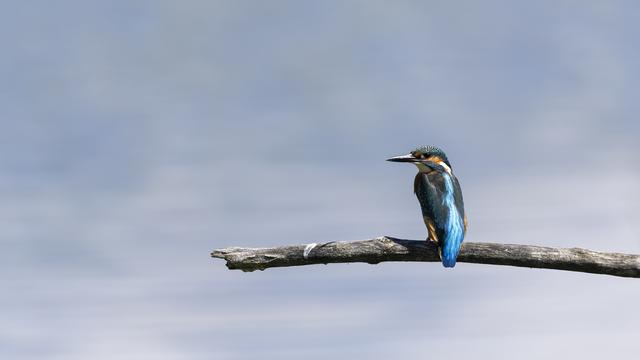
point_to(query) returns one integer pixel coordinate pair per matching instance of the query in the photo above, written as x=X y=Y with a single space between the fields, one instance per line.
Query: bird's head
x=426 y=157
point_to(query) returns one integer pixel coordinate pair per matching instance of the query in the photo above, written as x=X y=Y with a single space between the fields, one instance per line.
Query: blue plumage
x=454 y=226
x=440 y=197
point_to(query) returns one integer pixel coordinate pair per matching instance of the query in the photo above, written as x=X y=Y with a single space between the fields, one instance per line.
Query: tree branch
x=390 y=249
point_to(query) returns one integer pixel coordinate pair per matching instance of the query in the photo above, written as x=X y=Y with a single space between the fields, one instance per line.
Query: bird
x=440 y=197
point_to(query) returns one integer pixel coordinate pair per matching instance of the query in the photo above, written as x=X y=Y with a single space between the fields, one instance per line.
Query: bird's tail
x=449 y=251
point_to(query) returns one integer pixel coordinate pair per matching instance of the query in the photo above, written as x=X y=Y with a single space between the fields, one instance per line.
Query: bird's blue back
x=441 y=202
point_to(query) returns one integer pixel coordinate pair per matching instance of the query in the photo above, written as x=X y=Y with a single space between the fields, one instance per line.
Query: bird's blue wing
x=430 y=190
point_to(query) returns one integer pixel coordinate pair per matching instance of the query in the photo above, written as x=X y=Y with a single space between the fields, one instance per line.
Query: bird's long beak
x=403 y=158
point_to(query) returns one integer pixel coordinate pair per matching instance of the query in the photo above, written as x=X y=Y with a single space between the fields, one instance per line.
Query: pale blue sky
x=136 y=136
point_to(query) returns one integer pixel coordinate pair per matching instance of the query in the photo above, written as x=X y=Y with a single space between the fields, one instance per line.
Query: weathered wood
x=390 y=249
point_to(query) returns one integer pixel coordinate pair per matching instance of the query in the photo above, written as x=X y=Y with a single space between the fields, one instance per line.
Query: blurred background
x=137 y=136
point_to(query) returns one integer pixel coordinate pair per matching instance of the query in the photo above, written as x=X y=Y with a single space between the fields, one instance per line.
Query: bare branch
x=389 y=249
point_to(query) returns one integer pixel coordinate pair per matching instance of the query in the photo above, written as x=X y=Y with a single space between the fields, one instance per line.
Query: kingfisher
x=440 y=197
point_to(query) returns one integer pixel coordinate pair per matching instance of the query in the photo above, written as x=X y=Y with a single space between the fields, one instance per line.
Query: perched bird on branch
x=440 y=197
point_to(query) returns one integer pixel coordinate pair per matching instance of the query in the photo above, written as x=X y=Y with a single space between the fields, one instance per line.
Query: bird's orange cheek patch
x=438 y=160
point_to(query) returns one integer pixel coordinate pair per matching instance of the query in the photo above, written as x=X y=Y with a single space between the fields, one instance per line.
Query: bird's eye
x=420 y=155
